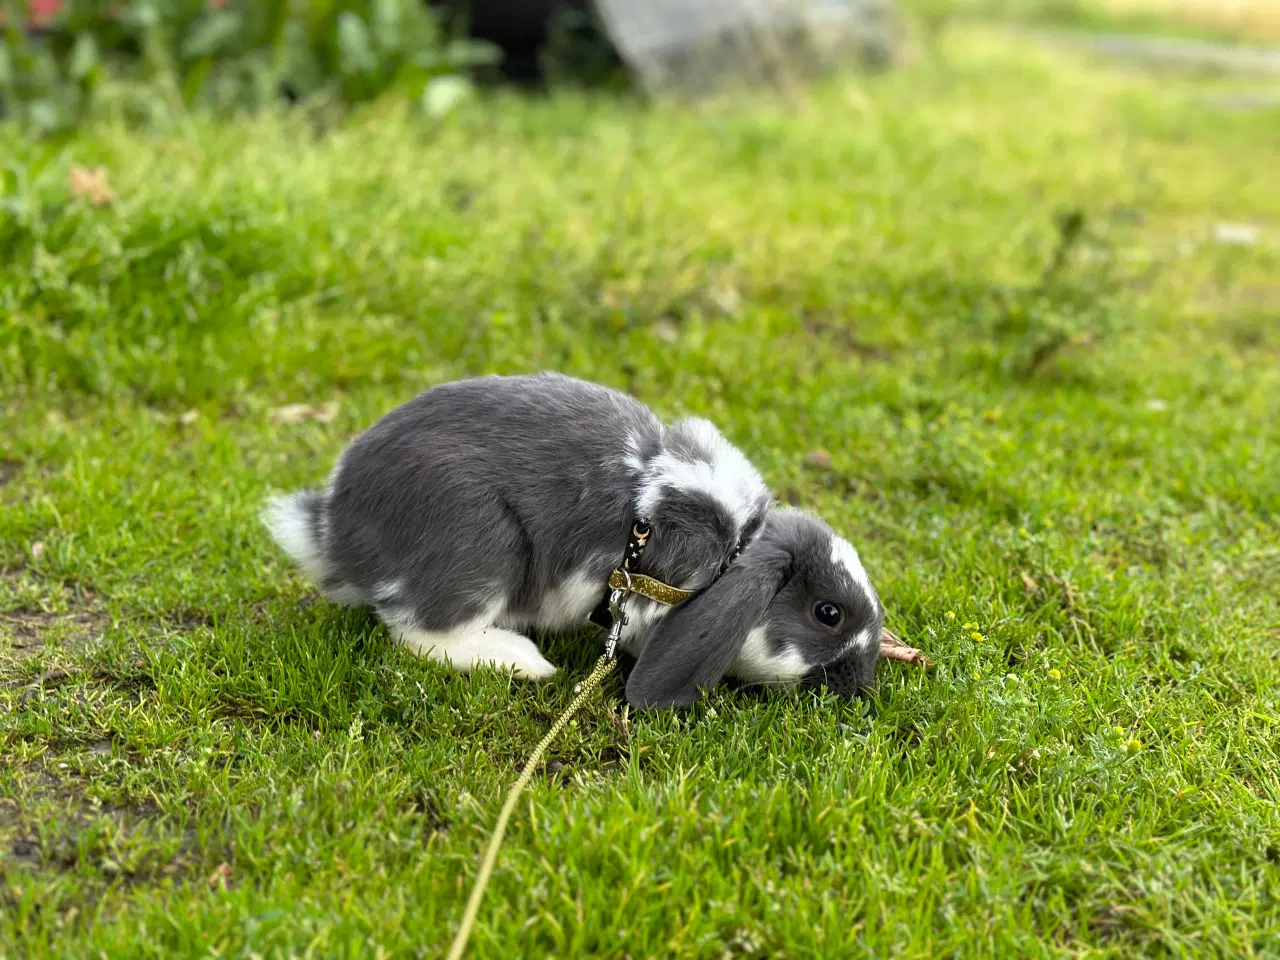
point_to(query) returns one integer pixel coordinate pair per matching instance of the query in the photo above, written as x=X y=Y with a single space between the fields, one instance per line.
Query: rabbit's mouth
x=851 y=676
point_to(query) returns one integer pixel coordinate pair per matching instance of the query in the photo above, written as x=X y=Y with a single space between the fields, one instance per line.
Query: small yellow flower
x=1134 y=745
x=1048 y=524
x=1055 y=674
x=951 y=614
x=1119 y=731
x=977 y=636
x=1022 y=532
x=970 y=625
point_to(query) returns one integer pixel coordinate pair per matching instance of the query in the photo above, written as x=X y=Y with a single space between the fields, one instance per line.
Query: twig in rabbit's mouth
x=892 y=648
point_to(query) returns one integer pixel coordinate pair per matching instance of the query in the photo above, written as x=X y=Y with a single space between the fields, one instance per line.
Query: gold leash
x=609 y=614
x=601 y=670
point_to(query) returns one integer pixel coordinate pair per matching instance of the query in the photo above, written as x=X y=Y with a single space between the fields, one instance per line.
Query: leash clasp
x=617 y=601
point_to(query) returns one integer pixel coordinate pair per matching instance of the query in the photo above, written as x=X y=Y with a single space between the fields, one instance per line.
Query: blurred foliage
x=149 y=58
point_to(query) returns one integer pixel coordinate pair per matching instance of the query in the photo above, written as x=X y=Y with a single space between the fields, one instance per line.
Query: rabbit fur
x=487 y=508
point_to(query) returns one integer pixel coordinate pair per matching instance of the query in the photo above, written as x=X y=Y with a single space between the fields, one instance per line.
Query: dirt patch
x=24 y=628
x=187 y=620
x=70 y=619
x=90 y=837
x=52 y=824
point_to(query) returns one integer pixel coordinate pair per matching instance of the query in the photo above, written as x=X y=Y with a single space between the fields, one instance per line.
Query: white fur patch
x=633 y=459
x=348 y=594
x=387 y=591
x=289 y=522
x=758 y=663
x=727 y=477
x=475 y=645
x=397 y=617
x=863 y=640
x=571 y=602
x=845 y=557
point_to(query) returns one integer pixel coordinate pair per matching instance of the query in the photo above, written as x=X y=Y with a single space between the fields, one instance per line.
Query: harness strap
x=622 y=581
x=648 y=587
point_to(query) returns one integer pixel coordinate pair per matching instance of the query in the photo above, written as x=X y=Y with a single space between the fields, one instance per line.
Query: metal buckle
x=617 y=600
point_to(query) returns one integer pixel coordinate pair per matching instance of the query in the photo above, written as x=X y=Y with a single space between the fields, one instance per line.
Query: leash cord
x=601 y=670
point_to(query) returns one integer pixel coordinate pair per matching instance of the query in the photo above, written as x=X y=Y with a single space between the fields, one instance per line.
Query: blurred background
x=60 y=55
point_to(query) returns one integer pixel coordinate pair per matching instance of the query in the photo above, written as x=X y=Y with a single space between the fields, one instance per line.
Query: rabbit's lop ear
x=694 y=645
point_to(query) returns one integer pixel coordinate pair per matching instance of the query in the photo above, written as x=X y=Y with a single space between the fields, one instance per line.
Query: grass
x=1256 y=19
x=993 y=287
x=1239 y=21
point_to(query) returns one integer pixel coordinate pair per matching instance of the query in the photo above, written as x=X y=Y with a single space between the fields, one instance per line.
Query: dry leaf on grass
x=219 y=878
x=298 y=412
x=1028 y=584
x=91 y=184
x=727 y=299
x=819 y=458
x=892 y=648
x=666 y=331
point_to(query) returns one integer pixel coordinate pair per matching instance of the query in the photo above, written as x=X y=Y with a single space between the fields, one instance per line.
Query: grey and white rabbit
x=488 y=507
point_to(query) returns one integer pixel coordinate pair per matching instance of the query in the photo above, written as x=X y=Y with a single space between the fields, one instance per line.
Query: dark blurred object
x=530 y=33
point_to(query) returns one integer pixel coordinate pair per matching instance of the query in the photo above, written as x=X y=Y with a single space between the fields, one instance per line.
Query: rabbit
x=490 y=507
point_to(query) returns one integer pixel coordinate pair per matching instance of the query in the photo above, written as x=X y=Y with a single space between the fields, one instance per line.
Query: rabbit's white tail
x=294 y=521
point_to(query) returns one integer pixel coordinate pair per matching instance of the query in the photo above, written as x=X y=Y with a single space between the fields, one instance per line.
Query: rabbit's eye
x=828 y=613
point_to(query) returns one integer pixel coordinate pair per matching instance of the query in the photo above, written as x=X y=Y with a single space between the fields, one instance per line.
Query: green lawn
x=1058 y=451
x=1249 y=22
